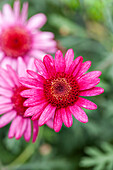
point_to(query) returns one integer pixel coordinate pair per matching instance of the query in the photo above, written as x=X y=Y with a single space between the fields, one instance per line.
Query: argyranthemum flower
x=19 y=37
x=57 y=87
x=11 y=103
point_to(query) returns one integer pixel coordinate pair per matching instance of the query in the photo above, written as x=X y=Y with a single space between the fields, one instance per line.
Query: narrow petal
x=41 y=68
x=21 y=67
x=47 y=114
x=38 y=53
x=88 y=83
x=78 y=113
x=36 y=21
x=8 y=13
x=31 y=83
x=5 y=108
x=6 y=92
x=31 y=93
x=90 y=75
x=85 y=66
x=57 y=124
x=27 y=133
x=36 y=75
x=21 y=128
x=92 y=92
x=4 y=100
x=49 y=123
x=24 y=12
x=59 y=62
x=49 y=65
x=34 y=101
x=17 y=9
x=36 y=110
x=35 y=130
x=13 y=75
x=69 y=57
x=5 y=119
x=13 y=126
x=78 y=67
x=86 y=104
x=66 y=117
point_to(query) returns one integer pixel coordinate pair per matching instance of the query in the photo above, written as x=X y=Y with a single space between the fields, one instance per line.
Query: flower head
x=11 y=103
x=57 y=87
x=19 y=37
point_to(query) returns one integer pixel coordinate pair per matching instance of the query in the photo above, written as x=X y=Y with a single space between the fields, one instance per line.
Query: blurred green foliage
x=87 y=27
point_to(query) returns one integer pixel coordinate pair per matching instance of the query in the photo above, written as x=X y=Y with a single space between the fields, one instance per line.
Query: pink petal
x=13 y=75
x=49 y=123
x=36 y=21
x=31 y=83
x=4 y=100
x=47 y=114
x=31 y=65
x=36 y=110
x=78 y=67
x=24 y=12
x=4 y=84
x=49 y=64
x=27 y=133
x=41 y=68
x=8 y=13
x=69 y=57
x=36 y=75
x=66 y=117
x=59 y=62
x=44 y=36
x=5 y=75
x=57 y=124
x=92 y=92
x=39 y=54
x=21 y=67
x=74 y=64
x=34 y=101
x=78 y=113
x=5 y=119
x=5 y=108
x=21 y=128
x=88 y=83
x=85 y=66
x=13 y=126
x=31 y=92
x=35 y=130
x=17 y=9
x=86 y=104
x=6 y=92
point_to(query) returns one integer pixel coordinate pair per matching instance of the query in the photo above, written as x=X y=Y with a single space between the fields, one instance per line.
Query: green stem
x=27 y=153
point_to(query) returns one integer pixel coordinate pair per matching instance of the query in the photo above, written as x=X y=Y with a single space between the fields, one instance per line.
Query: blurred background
x=87 y=27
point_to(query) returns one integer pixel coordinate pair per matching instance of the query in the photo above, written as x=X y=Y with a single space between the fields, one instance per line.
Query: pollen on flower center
x=18 y=100
x=15 y=41
x=61 y=90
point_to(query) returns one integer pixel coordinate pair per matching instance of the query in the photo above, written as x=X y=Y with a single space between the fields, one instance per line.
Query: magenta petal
x=84 y=67
x=90 y=75
x=47 y=114
x=27 y=133
x=57 y=124
x=31 y=92
x=41 y=68
x=36 y=75
x=35 y=110
x=35 y=130
x=92 y=92
x=49 y=64
x=86 y=104
x=5 y=119
x=59 y=62
x=69 y=57
x=78 y=67
x=34 y=101
x=79 y=113
x=88 y=83
x=31 y=83
x=66 y=117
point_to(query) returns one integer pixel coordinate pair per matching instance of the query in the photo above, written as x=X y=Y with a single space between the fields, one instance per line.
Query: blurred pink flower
x=57 y=87
x=11 y=103
x=19 y=37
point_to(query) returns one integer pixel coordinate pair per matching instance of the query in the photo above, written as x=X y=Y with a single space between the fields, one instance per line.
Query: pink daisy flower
x=57 y=87
x=11 y=103
x=19 y=37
